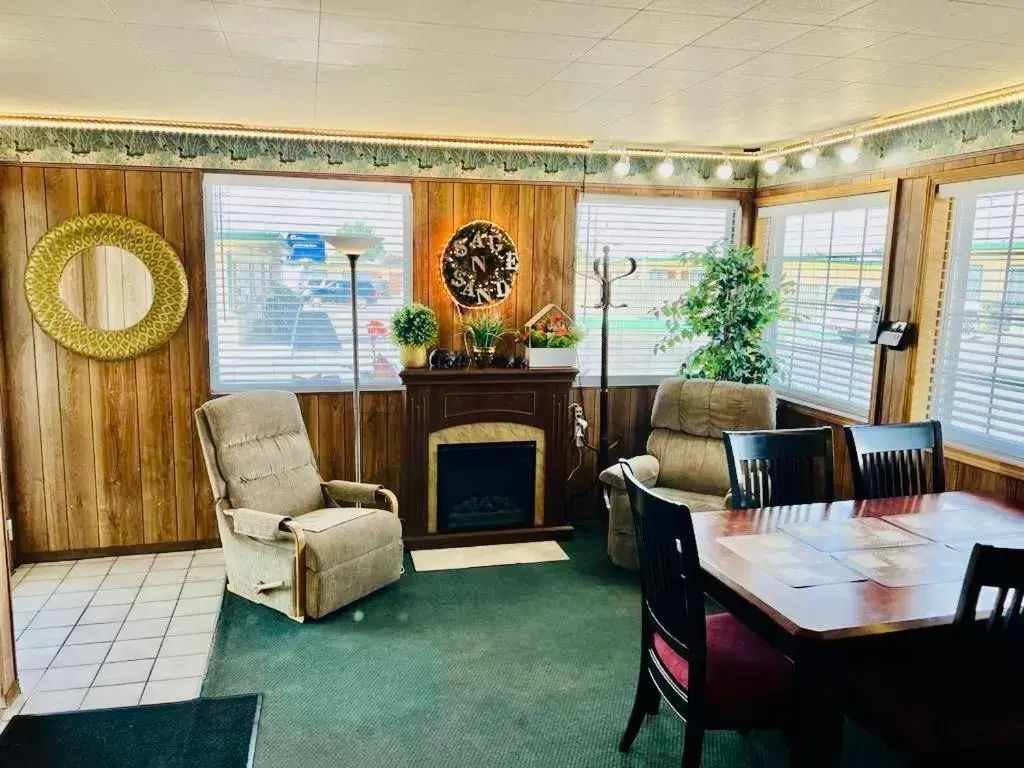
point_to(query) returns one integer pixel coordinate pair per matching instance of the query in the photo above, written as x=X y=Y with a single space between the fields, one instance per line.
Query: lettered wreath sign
x=479 y=265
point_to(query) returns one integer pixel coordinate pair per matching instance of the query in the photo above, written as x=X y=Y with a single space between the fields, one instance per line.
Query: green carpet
x=203 y=733
x=532 y=666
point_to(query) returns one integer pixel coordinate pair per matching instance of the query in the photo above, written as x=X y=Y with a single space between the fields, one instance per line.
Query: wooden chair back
x=782 y=466
x=896 y=459
x=990 y=674
x=670 y=577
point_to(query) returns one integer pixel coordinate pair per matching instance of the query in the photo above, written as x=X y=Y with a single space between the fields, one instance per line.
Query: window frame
x=212 y=179
x=656 y=198
x=833 y=198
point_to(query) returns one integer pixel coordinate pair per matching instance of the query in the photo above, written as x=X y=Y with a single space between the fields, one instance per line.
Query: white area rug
x=493 y=554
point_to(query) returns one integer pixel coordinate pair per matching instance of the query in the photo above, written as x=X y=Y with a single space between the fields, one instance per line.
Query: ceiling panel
x=673 y=72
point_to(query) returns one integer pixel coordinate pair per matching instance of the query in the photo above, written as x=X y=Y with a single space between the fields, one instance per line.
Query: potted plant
x=481 y=330
x=729 y=307
x=551 y=339
x=414 y=328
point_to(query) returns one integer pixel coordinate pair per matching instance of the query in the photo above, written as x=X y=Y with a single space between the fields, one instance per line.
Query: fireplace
x=485 y=486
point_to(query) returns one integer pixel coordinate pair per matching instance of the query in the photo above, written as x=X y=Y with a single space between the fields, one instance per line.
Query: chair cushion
x=749 y=683
x=705 y=408
x=902 y=701
x=347 y=541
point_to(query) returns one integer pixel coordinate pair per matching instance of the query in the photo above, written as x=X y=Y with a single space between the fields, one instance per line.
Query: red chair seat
x=902 y=701
x=749 y=683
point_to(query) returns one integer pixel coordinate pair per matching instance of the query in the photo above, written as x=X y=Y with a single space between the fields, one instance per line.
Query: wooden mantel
x=436 y=400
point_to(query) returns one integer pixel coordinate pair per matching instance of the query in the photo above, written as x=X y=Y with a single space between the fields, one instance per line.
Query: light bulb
x=621 y=166
x=809 y=159
x=850 y=152
x=724 y=171
x=666 y=167
x=771 y=166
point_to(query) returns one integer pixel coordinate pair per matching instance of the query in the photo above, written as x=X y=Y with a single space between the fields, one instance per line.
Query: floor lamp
x=354 y=246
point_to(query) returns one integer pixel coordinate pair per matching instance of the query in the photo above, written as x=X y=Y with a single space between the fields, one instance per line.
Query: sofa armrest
x=362 y=493
x=646 y=468
x=264 y=526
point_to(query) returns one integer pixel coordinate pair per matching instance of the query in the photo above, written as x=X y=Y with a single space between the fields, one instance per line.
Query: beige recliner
x=685 y=457
x=291 y=541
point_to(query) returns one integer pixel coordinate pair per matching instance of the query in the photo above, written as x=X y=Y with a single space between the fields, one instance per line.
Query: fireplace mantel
x=441 y=399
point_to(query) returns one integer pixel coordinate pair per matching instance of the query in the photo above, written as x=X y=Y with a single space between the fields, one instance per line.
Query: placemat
x=953 y=524
x=908 y=566
x=788 y=560
x=858 y=533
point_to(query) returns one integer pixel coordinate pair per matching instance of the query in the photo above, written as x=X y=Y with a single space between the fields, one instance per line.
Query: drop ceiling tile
x=775 y=64
x=916 y=75
x=987 y=55
x=175 y=61
x=653 y=85
x=404 y=10
x=69 y=9
x=278 y=69
x=634 y=4
x=348 y=55
x=703 y=95
x=169 y=13
x=803 y=11
x=20 y=27
x=674 y=28
x=608 y=74
x=706 y=59
x=727 y=8
x=295 y=5
x=260 y=47
x=439 y=61
x=896 y=15
x=737 y=84
x=793 y=88
x=566 y=19
x=908 y=48
x=563 y=96
x=627 y=53
x=157 y=38
x=834 y=41
x=847 y=70
x=753 y=35
x=601 y=111
x=976 y=22
x=271 y=22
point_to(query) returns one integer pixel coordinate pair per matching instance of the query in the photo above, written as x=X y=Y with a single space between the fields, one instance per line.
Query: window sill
x=1000 y=465
x=818 y=410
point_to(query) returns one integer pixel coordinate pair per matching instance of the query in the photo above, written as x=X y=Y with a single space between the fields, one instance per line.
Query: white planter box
x=558 y=357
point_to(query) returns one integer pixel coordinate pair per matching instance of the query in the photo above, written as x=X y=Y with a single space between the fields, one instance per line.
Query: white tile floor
x=114 y=631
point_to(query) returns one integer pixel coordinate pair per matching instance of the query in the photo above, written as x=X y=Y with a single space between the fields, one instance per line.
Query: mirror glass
x=107 y=288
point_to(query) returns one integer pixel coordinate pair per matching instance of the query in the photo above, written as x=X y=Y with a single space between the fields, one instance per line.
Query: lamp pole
x=356 y=420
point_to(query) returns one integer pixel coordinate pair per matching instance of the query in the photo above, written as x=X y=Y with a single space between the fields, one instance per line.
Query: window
x=655 y=231
x=977 y=388
x=280 y=309
x=828 y=257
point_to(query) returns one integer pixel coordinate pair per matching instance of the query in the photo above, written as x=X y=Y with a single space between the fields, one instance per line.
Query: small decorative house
x=551 y=337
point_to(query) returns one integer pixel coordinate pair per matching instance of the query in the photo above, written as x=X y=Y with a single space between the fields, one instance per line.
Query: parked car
x=338 y=291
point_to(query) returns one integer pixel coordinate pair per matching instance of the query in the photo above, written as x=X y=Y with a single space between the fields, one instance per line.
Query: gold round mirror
x=106 y=286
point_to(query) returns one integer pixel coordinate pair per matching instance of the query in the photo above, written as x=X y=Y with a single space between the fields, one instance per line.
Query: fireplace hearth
x=485 y=486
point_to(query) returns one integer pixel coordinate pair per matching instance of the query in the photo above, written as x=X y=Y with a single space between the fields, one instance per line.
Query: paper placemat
x=908 y=566
x=788 y=560
x=1007 y=542
x=957 y=523
x=858 y=533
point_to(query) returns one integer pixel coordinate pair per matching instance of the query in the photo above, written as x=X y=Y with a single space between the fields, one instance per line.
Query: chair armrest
x=264 y=526
x=646 y=468
x=362 y=493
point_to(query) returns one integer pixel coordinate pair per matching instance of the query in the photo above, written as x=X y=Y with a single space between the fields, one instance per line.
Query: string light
x=666 y=167
x=724 y=171
x=771 y=165
x=621 y=167
x=850 y=152
x=809 y=159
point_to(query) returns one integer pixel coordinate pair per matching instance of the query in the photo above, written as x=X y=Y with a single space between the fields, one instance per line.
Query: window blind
x=827 y=256
x=280 y=308
x=655 y=231
x=977 y=387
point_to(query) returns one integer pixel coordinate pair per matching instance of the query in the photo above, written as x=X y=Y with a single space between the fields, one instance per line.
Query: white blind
x=280 y=309
x=978 y=381
x=655 y=231
x=828 y=258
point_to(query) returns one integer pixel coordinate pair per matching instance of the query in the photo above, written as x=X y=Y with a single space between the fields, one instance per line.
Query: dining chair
x=962 y=704
x=713 y=671
x=781 y=466
x=891 y=459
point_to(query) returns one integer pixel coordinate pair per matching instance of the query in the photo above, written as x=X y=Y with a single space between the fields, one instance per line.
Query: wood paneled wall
x=914 y=190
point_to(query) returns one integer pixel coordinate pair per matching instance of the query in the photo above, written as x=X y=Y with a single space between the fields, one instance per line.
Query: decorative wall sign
x=59 y=245
x=479 y=265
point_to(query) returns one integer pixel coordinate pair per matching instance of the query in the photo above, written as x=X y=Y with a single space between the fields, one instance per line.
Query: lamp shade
x=354 y=245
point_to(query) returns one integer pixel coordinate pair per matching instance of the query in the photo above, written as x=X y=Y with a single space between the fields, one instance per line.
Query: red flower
x=561 y=331
x=557 y=319
x=541 y=327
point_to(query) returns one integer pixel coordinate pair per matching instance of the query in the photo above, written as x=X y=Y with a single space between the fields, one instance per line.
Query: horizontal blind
x=280 y=307
x=655 y=232
x=827 y=257
x=978 y=381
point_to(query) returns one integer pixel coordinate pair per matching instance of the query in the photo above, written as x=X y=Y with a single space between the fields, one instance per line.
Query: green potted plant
x=414 y=328
x=729 y=308
x=481 y=330
x=551 y=338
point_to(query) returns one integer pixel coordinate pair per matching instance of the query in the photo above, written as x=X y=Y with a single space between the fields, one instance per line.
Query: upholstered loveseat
x=685 y=457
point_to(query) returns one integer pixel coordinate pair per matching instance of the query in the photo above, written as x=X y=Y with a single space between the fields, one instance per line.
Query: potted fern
x=481 y=330
x=729 y=308
x=414 y=328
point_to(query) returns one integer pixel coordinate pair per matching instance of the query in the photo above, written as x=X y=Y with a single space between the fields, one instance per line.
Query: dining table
x=827 y=582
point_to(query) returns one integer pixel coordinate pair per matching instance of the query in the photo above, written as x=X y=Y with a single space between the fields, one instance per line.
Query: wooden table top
x=851 y=609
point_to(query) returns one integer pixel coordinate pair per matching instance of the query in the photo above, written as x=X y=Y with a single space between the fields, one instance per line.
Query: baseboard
x=129 y=549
